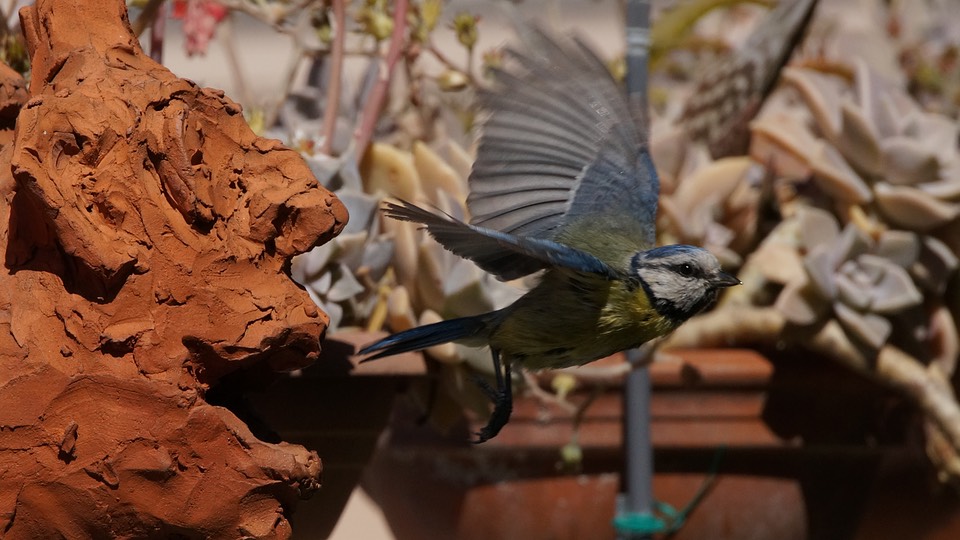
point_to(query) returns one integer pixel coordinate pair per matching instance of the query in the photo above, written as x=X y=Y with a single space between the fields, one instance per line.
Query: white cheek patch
x=677 y=293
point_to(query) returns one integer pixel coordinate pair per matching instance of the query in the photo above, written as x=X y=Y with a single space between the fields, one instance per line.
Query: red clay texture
x=145 y=229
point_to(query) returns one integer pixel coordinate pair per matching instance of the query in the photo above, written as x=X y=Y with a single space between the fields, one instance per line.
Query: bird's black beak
x=723 y=279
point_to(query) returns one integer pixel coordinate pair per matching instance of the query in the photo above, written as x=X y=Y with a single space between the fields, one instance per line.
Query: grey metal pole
x=635 y=516
x=638 y=52
x=638 y=446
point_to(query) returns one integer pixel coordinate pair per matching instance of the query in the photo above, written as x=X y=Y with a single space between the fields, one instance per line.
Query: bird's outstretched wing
x=505 y=255
x=561 y=156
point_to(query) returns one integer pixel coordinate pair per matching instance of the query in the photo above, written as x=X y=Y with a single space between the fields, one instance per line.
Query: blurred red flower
x=200 y=20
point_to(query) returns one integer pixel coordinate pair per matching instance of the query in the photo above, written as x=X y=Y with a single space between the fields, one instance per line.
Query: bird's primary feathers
x=562 y=182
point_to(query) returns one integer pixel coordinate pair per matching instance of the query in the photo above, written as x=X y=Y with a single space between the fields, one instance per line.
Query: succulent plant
x=928 y=52
x=341 y=275
x=715 y=206
x=878 y=159
x=865 y=282
x=383 y=272
x=853 y=234
x=867 y=143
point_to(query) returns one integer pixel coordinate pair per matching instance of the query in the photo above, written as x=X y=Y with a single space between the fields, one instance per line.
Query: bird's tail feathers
x=417 y=339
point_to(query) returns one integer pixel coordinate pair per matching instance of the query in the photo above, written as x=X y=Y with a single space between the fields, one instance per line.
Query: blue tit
x=563 y=183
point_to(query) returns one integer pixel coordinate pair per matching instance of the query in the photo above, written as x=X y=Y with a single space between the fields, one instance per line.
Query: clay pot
x=801 y=448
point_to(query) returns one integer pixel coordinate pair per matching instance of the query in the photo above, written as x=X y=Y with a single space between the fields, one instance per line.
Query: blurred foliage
x=674 y=28
x=13 y=52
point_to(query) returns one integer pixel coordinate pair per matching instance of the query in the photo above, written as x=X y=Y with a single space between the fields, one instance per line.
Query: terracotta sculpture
x=145 y=230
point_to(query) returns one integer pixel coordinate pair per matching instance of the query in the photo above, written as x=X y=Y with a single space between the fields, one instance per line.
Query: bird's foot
x=502 y=407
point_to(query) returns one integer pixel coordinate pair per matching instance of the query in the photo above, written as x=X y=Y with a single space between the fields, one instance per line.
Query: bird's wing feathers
x=502 y=254
x=560 y=150
x=618 y=205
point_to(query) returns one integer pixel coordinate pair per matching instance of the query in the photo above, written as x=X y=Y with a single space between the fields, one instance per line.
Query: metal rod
x=639 y=446
x=637 y=500
x=638 y=54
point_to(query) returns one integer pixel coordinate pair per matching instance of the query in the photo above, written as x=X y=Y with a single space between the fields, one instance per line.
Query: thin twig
x=545 y=397
x=157 y=31
x=470 y=64
x=230 y=51
x=272 y=13
x=147 y=15
x=296 y=57
x=276 y=14
x=371 y=110
x=584 y=405
x=445 y=60
x=332 y=108
x=7 y=12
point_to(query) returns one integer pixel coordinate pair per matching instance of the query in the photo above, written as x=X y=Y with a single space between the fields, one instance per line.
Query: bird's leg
x=502 y=398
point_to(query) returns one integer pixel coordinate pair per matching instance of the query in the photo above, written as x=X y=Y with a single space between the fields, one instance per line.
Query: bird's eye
x=685 y=270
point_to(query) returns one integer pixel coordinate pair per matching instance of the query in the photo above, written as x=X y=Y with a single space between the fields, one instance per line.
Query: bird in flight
x=563 y=183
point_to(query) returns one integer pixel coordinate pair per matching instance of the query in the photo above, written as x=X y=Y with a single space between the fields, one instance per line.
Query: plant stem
x=147 y=16
x=374 y=104
x=445 y=60
x=157 y=29
x=296 y=56
x=230 y=51
x=332 y=107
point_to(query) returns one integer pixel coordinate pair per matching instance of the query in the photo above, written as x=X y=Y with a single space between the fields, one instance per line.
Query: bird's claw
x=502 y=408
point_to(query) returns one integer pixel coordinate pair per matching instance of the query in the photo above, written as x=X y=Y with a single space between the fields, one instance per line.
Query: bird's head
x=680 y=280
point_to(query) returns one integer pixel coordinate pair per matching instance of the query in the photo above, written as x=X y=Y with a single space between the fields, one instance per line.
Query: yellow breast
x=570 y=319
